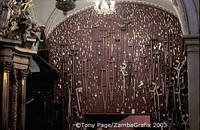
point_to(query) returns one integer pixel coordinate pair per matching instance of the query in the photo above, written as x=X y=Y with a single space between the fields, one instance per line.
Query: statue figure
x=5 y=16
x=35 y=33
x=20 y=21
x=16 y=23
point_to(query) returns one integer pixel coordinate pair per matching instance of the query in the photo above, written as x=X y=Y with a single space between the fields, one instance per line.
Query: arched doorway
x=129 y=62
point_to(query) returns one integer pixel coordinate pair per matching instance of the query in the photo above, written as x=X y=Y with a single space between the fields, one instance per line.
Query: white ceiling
x=44 y=11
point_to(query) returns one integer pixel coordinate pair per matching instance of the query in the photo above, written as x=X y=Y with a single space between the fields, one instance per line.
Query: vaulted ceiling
x=45 y=13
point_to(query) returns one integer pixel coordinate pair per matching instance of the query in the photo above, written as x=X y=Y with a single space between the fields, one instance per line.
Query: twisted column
x=14 y=102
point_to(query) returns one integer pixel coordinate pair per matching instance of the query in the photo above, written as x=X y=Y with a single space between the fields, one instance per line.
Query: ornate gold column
x=24 y=74
x=5 y=95
x=6 y=67
x=21 y=61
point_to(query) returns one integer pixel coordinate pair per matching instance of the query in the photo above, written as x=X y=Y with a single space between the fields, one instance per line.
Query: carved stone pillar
x=192 y=50
x=5 y=95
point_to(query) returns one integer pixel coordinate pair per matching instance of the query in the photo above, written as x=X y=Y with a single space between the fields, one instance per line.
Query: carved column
x=192 y=50
x=24 y=74
x=6 y=61
x=5 y=95
x=21 y=61
x=14 y=101
x=17 y=45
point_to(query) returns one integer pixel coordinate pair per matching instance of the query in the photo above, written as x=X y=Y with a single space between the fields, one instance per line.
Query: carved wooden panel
x=117 y=63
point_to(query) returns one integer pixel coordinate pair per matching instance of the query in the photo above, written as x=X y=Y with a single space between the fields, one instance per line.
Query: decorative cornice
x=7 y=66
x=24 y=73
x=25 y=50
x=9 y=41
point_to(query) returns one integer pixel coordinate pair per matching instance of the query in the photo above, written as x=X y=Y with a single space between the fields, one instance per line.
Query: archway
x=129 y=62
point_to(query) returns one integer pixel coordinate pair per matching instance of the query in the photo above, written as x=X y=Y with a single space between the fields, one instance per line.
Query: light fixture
x=104 y=6
x=65 y=5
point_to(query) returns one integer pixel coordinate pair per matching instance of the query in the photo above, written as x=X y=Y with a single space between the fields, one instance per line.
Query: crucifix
x=111 y=77
x=156 y=100
x=73 y=53
x=102 y=88
x=124 y=74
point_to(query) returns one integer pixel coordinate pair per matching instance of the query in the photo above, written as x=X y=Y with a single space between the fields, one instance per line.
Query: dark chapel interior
x=99 y=65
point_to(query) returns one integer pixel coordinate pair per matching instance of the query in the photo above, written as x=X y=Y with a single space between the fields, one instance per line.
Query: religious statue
x=16 y=23
x=5 y=16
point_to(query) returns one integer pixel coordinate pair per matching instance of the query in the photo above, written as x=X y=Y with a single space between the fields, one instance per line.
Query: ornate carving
x=16 y=23
x=7 y=66
x=5 y=17
x=14 y=99
x=24 y=73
